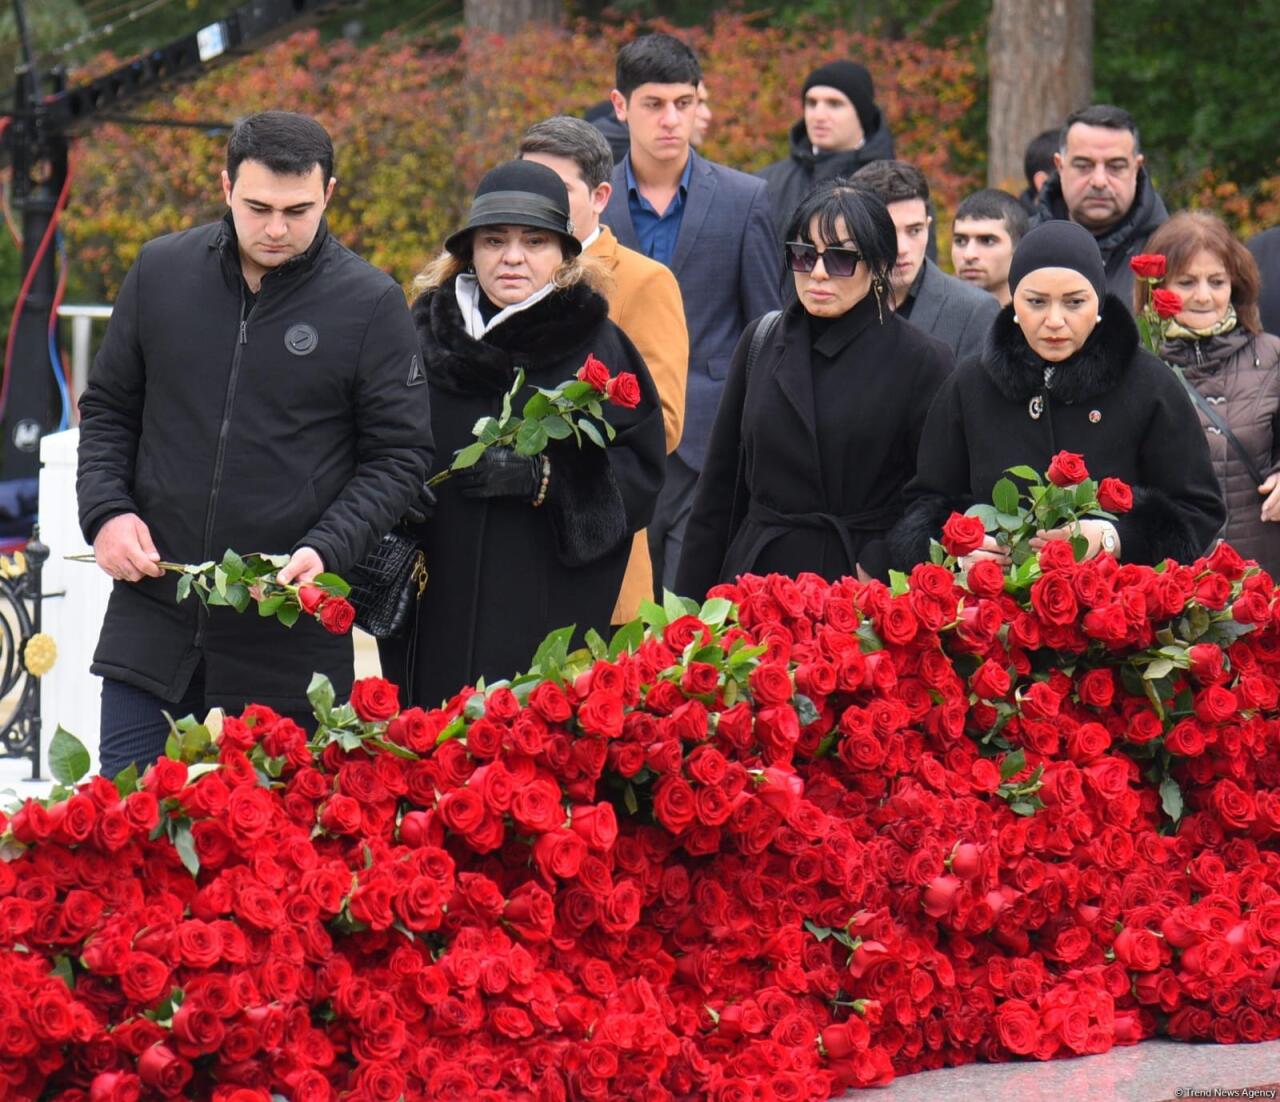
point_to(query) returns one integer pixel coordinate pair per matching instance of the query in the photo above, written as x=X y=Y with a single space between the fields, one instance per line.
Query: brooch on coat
x=1035 y=407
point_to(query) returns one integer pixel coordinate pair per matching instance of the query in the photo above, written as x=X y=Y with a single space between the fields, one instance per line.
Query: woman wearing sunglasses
x=817 y=431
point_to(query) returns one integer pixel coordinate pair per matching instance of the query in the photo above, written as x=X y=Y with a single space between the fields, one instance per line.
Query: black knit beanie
x=855 y=82
x=1059 y=245
x=519 y=193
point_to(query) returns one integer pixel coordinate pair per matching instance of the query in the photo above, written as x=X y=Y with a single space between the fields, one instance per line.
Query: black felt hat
x=519 y=193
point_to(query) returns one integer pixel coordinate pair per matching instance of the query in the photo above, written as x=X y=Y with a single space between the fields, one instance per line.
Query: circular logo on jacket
x=301 y=339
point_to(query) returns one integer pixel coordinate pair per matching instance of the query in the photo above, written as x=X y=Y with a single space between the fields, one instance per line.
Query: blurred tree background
x=419 y=107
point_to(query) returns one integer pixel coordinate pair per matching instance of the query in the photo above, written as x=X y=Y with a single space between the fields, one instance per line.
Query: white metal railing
x=82 y=319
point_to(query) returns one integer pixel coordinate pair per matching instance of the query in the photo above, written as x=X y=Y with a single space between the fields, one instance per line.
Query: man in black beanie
x=841 y=131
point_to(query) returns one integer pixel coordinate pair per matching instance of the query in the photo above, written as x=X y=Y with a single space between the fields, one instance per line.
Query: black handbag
x=388 y=584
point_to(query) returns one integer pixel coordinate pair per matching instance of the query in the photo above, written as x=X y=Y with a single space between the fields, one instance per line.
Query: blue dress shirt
x=656 y=232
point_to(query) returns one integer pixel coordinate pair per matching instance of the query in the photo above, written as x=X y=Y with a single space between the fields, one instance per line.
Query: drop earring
x=877 y=287
x=1015 y=319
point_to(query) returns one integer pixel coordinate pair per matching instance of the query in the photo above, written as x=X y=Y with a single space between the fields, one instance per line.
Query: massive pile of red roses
x=803 y=837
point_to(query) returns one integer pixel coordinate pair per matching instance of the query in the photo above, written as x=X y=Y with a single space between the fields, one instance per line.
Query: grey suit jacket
x=728 y=265
x=950 y=309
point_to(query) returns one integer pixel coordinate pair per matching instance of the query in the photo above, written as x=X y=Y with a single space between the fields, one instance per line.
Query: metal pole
x=37 y=554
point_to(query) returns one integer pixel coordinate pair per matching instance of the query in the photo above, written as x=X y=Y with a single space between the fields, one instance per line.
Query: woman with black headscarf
x=1063 y=370
x=814 y=441
x=519 y=545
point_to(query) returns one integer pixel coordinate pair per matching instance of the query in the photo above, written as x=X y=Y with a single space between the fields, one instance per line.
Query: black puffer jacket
x=789 y=180
x=1112 y=402
x=1123 y=241
x=307 y=424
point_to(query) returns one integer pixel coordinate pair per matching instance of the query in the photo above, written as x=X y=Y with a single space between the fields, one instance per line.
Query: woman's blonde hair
x=571 y=270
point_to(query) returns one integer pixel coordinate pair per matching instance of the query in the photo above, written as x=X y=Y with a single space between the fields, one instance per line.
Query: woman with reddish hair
x=1218 y=345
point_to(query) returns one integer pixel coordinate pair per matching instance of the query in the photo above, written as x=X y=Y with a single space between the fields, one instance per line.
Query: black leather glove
x=423 y=508
x=502 y=472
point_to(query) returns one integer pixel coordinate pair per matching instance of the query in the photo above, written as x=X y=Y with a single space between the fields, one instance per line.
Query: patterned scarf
x=1224 y=324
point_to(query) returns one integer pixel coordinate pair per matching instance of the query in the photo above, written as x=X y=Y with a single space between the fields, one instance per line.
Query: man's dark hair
x=575 y=140
x=655 y=59
x=1039 y=154
x=1100 y=114
x=865 y=218
x=993 y=203
x=289 y=144
x=892 y=181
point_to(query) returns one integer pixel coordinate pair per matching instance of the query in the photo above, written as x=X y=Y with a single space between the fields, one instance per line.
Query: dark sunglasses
x=838 y=263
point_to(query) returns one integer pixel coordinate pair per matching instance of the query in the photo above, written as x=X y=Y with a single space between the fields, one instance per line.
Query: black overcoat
x=797 y=483
x=300 y=425
x=504 y=574
x=1113 y=402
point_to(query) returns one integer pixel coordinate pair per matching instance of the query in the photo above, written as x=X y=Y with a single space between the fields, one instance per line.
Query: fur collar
x=1018 y=373
x=543 y=335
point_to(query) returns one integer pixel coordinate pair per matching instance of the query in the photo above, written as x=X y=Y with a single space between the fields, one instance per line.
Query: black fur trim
x=908 y=540
x=1018 y=373
x=548 y=332
x=1154 y=530
x=586 y=508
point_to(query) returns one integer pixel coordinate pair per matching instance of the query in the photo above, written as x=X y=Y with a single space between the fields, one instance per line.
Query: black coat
x=810 y=455
x=1123 y=241
x=790 y=179
x=1112 y=402
x=504 y=574
x=1265 y=247
x=297 y=427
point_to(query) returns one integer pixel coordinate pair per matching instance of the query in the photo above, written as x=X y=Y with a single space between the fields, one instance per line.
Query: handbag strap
x=1216 y=419
x=763 y=334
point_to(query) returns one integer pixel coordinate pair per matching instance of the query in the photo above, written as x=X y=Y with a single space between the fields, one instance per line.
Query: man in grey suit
x=711 y=226
x=944 y=307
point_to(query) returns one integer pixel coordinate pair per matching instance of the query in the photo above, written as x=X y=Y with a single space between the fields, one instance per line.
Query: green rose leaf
x=1004 y=495
x=68 y=758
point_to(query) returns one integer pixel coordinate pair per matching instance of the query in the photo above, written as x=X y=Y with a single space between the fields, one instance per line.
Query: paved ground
x=1155 y=1071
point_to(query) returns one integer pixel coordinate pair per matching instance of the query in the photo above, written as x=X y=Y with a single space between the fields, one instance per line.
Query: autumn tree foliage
x=416 y=123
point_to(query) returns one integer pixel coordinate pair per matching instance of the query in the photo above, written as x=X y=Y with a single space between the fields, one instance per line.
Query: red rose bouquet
x=240 y=580
x=1159 y=305
x=1063 y=496
x=574 y=408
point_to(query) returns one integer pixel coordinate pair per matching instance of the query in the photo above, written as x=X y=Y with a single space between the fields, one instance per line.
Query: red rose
x=529 y=912
x=961 y=534
x=1148 y=265
x=1053 y=599
x=549 y=701
x=559 y=854
x=595 y=373
x=681 y=632
x=337 y=615
x=1067 y=469
x=985 y=579
x=1096 y=688
x=770 y=684
x=1167 y=304
x=1226 y=561
x=1206 y=663
x=1056 y=555
x=375 y=699
x=310 y=598
x=144 y=978
x=1138 y=950
x=991 y=682
x=115 y=1086
x=597 y=825
x=1018 y=1026
x=164 y=1070
x=624 y=390
x=1115 y=495
x=1215 y=704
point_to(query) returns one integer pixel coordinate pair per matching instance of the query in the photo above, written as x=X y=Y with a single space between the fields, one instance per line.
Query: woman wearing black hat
x=519 y=545
x=1063 y=370
x=815 y=439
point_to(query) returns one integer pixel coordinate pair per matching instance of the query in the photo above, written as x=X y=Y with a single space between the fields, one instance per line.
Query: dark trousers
x=670 y=516
x=134 y=729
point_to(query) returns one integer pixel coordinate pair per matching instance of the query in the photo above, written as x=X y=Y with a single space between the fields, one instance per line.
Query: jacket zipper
x=223 y=431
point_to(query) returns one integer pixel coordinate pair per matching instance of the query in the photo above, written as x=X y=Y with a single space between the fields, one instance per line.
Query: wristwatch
x=1109 y=542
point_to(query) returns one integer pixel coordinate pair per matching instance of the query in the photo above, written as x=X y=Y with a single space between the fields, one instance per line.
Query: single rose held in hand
x=799 y=838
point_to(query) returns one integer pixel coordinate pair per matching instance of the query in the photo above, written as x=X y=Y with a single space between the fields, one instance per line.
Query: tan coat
x=645 y=303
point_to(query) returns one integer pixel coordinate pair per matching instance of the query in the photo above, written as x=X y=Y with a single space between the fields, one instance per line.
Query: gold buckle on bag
x=419 y=573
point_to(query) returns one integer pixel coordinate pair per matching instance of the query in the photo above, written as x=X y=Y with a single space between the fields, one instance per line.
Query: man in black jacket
x=1101 y=184
x=841 y=131
x=259 y=388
